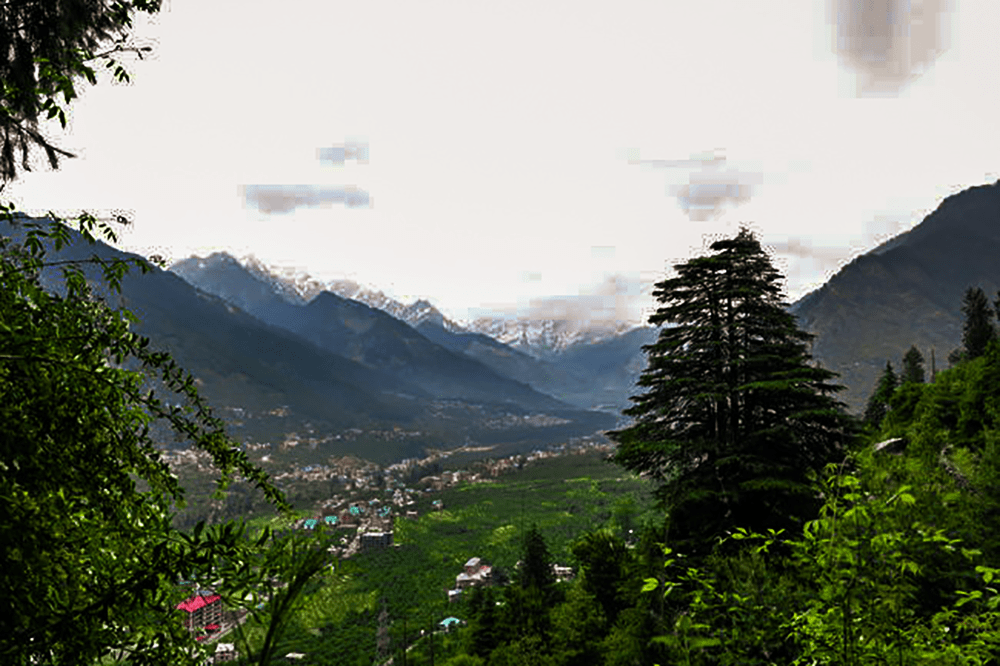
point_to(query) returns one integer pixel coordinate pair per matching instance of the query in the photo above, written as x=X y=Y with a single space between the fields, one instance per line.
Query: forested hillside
x=906 y=292
x=887 y=559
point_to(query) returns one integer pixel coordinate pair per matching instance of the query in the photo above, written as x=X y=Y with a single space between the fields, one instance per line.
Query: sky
x=535 y=158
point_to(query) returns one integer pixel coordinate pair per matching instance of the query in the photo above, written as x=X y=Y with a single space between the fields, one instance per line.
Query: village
x=362 y=519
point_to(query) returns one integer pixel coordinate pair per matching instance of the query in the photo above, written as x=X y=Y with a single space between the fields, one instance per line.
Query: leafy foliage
x=862 y=563
x=92 y=560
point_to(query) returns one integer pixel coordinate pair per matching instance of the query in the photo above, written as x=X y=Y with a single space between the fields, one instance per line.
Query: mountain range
x=291 y=358
x=907 y=291
x=589 y=369
x=389 y=394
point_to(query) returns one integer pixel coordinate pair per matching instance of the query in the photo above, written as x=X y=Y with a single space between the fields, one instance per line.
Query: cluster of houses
x=368 y=526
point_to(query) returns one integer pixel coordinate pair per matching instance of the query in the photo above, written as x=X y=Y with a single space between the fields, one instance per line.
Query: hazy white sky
x=520 y=151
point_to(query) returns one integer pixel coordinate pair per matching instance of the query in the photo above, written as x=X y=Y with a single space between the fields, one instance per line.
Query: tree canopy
x=977 y=329
x=913 y=366
x=735 y=417
x=878 y=402
x=47 y=47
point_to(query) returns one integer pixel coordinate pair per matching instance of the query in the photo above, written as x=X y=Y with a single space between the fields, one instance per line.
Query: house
x=454 y=595
x=563 y=573
x=473 y=573
x=450 y=622
x=224 y=652
x=375 y=540
x=463 y=581
x=202 y=610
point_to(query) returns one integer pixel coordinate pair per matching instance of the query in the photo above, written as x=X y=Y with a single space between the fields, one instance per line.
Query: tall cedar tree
x=977 y=330
x=913 y=367
x=878 y=402
x=735 y=419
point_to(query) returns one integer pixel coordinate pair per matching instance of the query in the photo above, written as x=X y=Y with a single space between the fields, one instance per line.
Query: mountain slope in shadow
x=365 y=335
x=906 y=291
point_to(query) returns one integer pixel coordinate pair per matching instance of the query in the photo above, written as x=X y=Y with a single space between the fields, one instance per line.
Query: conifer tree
x=913 y=366
x=536 y=567
x=977 y=330
x=735 y=418
x=48 y=48
x=878 y=403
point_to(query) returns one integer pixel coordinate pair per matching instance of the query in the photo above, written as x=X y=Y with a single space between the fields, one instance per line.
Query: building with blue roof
x=450 y=622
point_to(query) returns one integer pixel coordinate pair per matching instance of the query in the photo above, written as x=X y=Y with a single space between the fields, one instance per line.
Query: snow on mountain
x=545 y=337
x=541 y=338
x=299 y=288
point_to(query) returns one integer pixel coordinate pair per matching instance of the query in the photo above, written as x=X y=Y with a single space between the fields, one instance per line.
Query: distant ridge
x=589 y=368
x=364 y=334
x=906 y=291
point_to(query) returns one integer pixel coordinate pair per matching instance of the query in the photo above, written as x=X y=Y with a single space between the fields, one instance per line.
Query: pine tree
x=536 y=567
x=913 y=366
x=977 y=331
x=482 y=637
x=878 y=403
x=735 y=418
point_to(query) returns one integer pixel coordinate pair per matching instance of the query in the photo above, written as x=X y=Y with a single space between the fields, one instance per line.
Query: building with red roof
x=202 y=610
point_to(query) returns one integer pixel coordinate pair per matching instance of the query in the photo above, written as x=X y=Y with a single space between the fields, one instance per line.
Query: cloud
x=709 y=188
x=337 y=154
x=697 y=161
x=618 y=301
x=827 y=257
x=889 y=43
x=706 y=194
x=812 y=258
x=286 y=198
